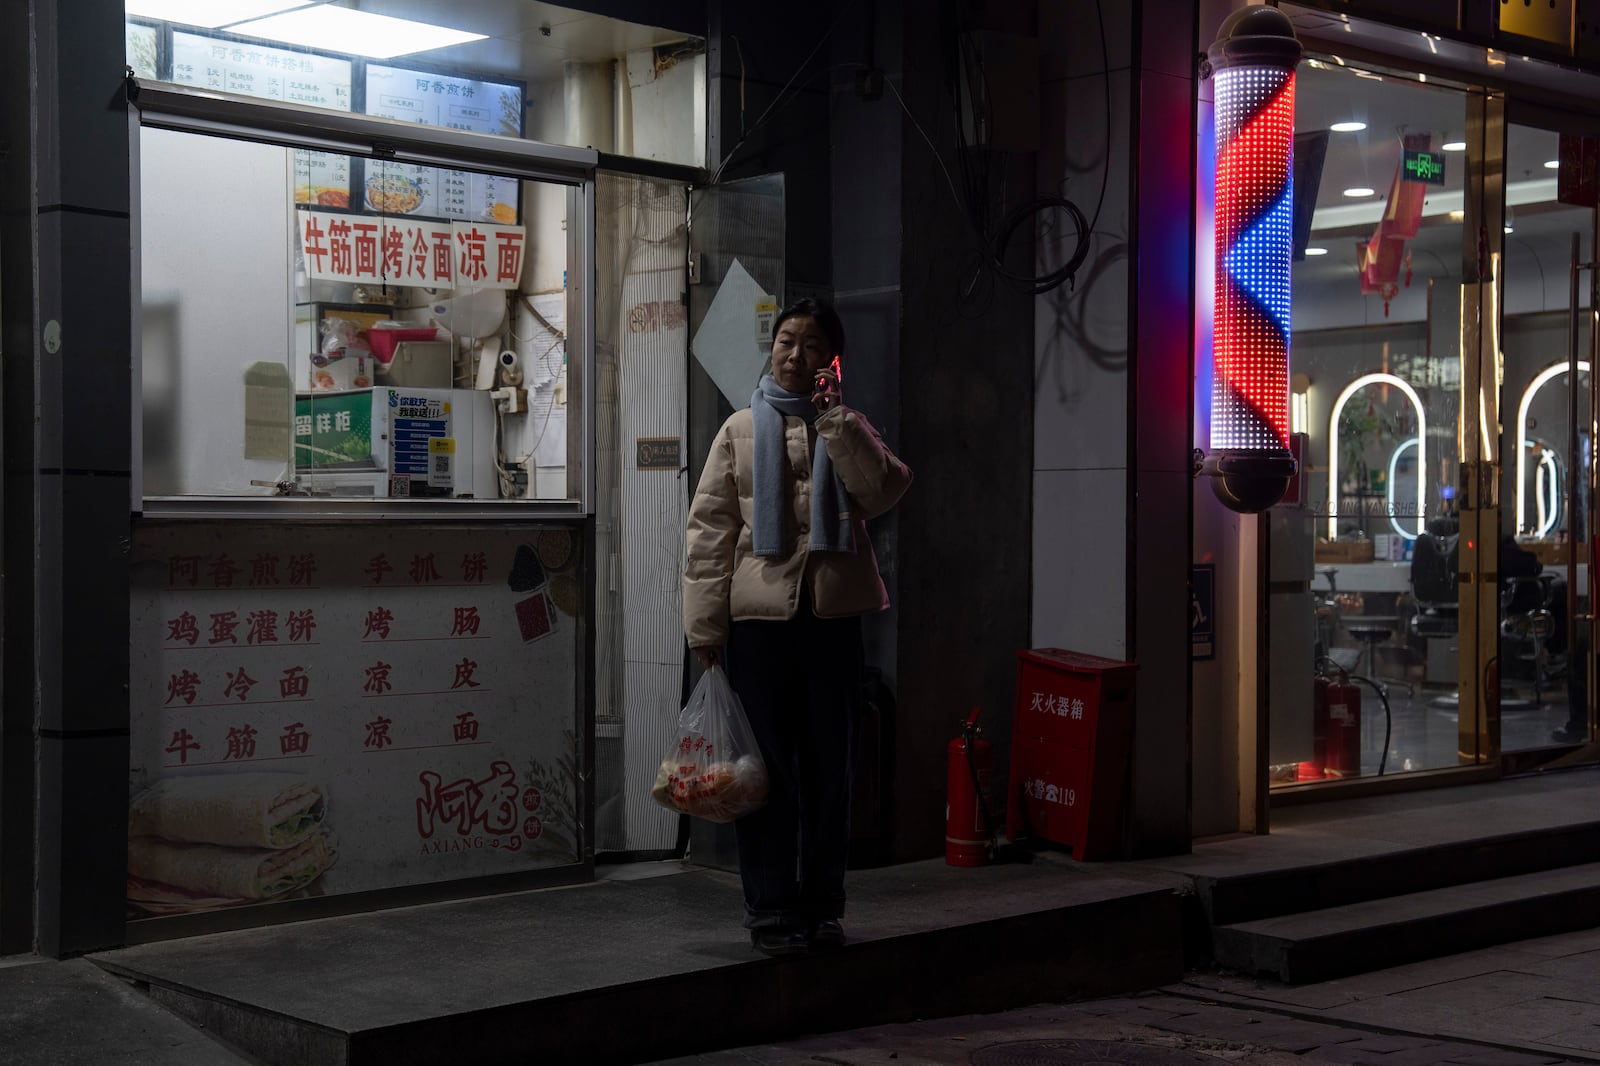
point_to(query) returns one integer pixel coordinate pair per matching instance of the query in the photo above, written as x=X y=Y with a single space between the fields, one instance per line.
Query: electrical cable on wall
x=994 y=242
x=761 y=121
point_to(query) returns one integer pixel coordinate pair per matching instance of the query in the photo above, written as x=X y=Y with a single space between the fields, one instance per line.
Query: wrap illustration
x=236 y=810
x=230 y=873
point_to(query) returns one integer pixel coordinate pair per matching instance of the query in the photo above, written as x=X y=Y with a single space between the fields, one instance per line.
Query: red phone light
x=834 y=366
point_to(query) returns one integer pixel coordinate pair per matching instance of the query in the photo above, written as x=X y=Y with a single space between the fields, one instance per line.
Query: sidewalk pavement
x=1522 y=1004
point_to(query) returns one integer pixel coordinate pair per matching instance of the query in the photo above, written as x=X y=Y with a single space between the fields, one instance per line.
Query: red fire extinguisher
x=1313 y=769
x=1343 y=745
x=968 y=836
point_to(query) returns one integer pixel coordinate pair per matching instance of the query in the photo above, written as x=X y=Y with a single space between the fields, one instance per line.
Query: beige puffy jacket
x=723 y=580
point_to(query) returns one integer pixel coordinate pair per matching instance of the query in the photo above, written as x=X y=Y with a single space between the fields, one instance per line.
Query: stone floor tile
x=1583 y=968
x=1292 y=1034
x=1581 y=1038
x=1492 y=1056
x=1533 y=1020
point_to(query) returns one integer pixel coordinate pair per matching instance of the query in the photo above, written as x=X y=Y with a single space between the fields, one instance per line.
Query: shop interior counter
x=1396 y=576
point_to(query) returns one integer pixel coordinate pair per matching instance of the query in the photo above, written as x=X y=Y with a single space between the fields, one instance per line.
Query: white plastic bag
x=713 y=769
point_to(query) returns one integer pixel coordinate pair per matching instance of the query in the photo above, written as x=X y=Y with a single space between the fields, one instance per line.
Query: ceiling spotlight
x=1357 y=191
x=1508 y=227
x=1454 y=146
x=1347 y=127
x=1316 y=251
x=1552 y=164
x=1457 y=216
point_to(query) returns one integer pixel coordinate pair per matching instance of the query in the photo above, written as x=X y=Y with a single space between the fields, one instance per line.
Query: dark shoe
x=827 y=934
x=779 y=942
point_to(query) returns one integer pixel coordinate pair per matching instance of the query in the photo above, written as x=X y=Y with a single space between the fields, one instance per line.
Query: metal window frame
x=183 y=109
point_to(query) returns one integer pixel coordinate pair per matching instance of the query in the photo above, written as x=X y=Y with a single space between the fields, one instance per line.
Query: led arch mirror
x=1420 y=444
x=1539 y=381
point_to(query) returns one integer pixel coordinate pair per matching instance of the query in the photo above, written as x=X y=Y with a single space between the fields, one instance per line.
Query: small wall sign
x=659 y=453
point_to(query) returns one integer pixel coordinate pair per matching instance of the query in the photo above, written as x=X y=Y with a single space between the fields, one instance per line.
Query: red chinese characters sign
x=403 y=251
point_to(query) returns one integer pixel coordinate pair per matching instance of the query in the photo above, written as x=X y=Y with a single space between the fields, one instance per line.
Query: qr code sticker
x=399 y=485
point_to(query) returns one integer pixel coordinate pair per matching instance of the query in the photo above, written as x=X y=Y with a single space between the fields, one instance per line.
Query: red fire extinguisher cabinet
x=1071 y=732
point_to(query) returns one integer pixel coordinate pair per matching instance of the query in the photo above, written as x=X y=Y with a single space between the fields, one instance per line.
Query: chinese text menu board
x=454 y=103
x=321 y=178
x=325 y=710
x=340 y=247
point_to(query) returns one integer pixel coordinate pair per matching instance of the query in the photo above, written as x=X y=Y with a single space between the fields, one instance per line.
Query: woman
x=779 y=572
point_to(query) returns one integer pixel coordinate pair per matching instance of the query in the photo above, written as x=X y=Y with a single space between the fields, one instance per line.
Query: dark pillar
x=68 y=398
x=1161 y=297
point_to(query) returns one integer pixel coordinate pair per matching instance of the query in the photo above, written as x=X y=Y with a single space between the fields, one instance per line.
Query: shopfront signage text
x=432 y=254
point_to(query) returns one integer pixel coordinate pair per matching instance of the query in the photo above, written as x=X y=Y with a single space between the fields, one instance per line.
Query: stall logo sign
x=469 y=813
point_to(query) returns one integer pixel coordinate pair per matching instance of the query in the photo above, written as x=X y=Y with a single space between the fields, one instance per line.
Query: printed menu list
x=453 y=103
x=347 y=710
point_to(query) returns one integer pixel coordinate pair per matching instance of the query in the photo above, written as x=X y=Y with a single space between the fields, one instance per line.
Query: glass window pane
x=1375 y=372
x=337 y=326
x=1541 y=683
x=501 y=67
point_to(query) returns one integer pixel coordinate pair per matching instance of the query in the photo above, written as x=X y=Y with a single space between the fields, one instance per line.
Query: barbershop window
x=1366 y=677
x=322 y=324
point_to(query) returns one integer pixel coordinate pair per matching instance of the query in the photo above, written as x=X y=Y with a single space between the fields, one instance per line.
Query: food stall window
x=318 y=324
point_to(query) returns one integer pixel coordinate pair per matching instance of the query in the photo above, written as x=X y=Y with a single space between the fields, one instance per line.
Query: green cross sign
x=1426 y=167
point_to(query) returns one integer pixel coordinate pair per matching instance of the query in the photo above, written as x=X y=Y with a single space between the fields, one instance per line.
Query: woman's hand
x=709 y=656
x=826 y=393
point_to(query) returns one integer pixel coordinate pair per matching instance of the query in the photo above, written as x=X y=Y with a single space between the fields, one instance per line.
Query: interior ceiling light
x=1457 y=216
x=1454 y=146
x=1316 y=251
x=361 y=32
x=207 y=14
x=1347 y=127
x=1552 y=164
x=1358 y=191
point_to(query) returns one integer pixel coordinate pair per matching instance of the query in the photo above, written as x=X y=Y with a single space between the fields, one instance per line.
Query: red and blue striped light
x=1253 y=63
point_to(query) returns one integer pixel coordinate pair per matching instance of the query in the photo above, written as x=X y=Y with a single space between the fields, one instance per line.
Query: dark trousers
x=798 y=682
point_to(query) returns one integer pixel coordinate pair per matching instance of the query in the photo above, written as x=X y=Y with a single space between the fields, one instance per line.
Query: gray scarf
x=830 y=506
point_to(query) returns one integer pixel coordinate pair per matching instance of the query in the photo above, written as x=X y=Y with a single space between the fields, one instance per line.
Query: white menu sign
x=458 y=104
x=259 y=70
x=324 y=710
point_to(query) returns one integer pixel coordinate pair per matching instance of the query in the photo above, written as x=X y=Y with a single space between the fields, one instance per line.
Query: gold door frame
x=1483 y=237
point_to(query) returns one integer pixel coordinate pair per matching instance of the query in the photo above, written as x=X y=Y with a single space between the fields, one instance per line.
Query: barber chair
x=1528 y=632
x=1434 y=564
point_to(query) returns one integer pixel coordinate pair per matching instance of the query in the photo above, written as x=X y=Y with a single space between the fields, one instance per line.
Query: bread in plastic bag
x=713 y=769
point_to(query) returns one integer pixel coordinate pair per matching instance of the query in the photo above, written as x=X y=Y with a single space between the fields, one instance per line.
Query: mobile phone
x=838 y=373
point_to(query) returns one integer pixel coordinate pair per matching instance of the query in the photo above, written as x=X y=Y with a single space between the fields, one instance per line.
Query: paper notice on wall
x=726 y=343
x=267 y=395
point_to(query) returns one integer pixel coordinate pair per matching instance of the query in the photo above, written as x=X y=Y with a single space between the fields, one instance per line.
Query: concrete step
x=1317 y=945
x=62 y=1013
x=1244 y=894
x=637 y=970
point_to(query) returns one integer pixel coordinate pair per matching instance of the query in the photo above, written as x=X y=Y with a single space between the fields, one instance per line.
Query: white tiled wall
x=1080 y=413
x=1080 y=560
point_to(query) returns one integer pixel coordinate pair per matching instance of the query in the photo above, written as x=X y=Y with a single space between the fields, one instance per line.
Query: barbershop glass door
x=1546 y=447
